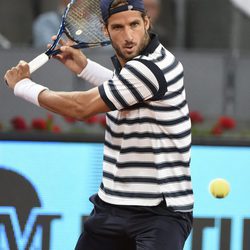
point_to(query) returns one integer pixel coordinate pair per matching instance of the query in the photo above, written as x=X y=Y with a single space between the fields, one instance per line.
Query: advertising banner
x=45 y=189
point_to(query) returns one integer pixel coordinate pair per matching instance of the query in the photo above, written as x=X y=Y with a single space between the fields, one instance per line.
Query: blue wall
x=62 y=176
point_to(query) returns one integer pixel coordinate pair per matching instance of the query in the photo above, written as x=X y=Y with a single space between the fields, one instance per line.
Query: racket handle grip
x=38 y=62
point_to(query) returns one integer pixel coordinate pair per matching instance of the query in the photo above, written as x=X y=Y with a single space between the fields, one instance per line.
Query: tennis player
x=145 y=200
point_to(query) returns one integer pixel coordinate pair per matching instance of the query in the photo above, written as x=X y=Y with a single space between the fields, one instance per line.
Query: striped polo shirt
x=148 y=134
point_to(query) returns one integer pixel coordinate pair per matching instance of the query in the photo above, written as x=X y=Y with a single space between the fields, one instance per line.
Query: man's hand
x=16 y=74
x=72 y=58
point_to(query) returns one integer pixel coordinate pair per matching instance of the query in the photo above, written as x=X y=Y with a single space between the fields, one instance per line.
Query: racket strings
x=83 y=22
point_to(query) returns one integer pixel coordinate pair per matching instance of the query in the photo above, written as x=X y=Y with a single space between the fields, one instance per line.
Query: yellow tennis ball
x=219 y=188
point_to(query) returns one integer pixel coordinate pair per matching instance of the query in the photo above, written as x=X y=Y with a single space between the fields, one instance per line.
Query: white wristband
x=29 y=90
x=95 y=73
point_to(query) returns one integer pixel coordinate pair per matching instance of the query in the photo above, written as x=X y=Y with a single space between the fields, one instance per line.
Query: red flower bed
x=196 y=117
x=18 y=123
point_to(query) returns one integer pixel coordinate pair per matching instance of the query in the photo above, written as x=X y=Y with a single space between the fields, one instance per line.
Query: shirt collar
x=150 y=48
x=152 y=45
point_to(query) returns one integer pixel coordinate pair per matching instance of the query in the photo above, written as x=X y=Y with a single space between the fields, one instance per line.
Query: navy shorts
x=112 y=227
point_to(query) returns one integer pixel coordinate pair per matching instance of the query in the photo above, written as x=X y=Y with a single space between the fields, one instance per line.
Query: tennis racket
x=81 y=22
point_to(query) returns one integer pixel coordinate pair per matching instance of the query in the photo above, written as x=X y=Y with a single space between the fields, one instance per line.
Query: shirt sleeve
x=137 y=82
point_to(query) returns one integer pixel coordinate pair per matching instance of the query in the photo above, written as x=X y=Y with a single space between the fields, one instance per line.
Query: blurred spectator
x=4 y=42
x=47 y=25
x=153 y=8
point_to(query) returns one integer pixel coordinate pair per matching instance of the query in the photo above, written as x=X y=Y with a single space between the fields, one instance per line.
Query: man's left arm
x=80 y=104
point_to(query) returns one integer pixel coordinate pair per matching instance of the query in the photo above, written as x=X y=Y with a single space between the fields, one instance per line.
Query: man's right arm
x=77 y=62
x=95 y=73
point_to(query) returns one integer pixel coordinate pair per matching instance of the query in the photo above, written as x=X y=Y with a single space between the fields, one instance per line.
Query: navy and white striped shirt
x=148 y=135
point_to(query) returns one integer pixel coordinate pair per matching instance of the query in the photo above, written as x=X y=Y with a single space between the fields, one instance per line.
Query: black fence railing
x=99 y=138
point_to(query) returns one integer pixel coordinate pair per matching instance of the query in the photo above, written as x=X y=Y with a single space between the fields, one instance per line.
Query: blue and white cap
x=131 y=5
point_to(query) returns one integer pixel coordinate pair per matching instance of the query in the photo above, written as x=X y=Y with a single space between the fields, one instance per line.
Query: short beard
x=143 y=45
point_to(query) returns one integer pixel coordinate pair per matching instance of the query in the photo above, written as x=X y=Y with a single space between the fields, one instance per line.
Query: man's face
x=128 y=34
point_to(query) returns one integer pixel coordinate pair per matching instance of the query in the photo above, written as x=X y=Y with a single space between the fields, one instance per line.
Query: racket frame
x=43 y=58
